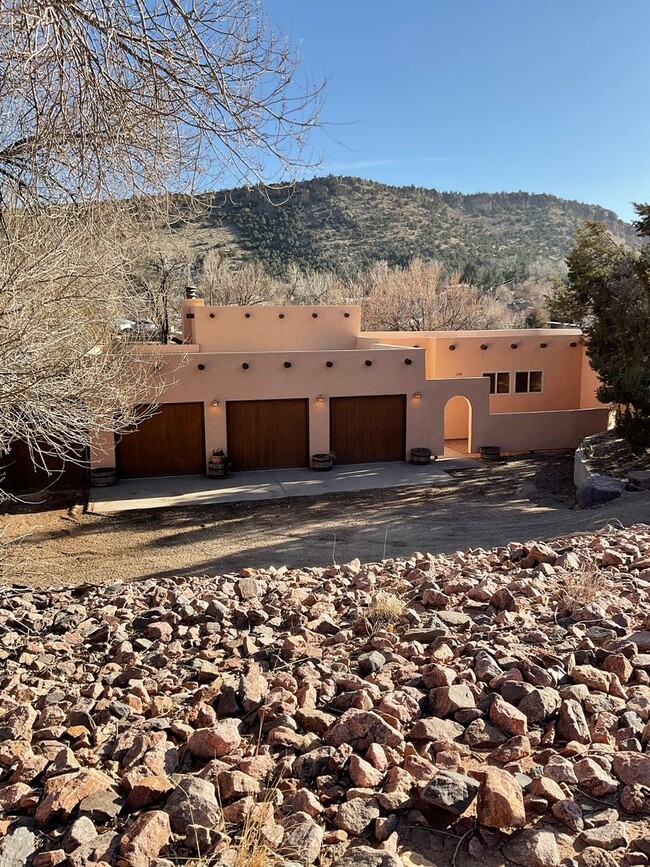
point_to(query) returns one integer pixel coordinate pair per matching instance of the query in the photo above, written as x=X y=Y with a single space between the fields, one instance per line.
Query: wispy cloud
x=371 y=164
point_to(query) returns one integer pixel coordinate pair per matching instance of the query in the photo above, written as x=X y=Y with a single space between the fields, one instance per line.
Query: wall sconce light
x=573 y=343
x=417 y=395
x=513 y=345
x=320 y=399
x=484 y=346
x=215 y=402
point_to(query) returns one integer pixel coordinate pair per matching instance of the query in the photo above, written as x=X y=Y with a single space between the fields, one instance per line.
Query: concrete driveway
x=164 y=492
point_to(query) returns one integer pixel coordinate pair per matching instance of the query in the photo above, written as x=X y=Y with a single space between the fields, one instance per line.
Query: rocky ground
x=487 y=707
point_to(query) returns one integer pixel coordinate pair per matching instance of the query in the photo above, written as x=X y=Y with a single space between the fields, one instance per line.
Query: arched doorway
x=458 y=425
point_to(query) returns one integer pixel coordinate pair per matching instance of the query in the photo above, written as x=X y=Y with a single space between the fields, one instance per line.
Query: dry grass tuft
x=252 y=846
x=579 y=588
x=254 y=849
x=385 y=608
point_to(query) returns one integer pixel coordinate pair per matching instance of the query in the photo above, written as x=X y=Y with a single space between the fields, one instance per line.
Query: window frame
x=528 y=374
x=496 y=374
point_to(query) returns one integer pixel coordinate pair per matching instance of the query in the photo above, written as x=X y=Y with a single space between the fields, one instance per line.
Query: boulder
x=531 y=848
x=598 y=490
x=193 y=802
x=500 y=802
x=451 y=792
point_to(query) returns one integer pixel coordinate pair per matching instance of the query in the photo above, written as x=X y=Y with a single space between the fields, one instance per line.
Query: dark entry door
x=267 y=434
x=169 y=443
x=368 y=429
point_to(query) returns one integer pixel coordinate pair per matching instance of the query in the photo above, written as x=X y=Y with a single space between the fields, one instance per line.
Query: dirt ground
x=481 y=507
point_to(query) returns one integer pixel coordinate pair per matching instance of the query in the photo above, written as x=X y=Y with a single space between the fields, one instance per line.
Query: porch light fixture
x=416 y=395
x=320 y=399
x=573 y=343
x=484 y=346
x=215 y=403
x=513 y=345
x=451 y=347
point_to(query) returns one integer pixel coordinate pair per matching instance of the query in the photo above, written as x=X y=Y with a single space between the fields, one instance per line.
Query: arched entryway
x=458 y=425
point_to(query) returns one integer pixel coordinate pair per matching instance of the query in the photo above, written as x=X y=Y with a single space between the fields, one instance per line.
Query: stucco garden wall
x=516 y=432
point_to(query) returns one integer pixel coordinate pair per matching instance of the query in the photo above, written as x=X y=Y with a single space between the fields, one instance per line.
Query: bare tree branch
x=421 y=297
x=123 y=97
x=107 y=108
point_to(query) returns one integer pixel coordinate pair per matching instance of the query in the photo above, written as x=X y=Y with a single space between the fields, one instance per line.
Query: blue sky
x=483 y=95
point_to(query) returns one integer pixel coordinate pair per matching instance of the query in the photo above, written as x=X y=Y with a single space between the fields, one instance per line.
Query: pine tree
x=608 y=292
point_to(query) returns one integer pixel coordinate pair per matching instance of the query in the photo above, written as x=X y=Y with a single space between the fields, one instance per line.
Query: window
x=528 y=381
x=499 y=382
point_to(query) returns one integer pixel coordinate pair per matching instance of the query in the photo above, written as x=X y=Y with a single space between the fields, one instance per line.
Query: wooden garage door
x=263 y=434
x=169 y=443
x=368 y=429
x=21 y=476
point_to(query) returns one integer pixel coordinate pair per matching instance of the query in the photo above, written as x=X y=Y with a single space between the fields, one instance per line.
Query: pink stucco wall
x=266 y=378
x=269 y=329
x=454 y=397
x=589 y=382
x=567 y=380
x=532 y=431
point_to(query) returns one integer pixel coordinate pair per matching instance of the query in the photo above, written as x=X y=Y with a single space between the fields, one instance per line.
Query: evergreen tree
x=608 y=292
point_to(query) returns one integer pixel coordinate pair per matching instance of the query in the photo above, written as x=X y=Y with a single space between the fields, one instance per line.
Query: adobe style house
x=272 y=386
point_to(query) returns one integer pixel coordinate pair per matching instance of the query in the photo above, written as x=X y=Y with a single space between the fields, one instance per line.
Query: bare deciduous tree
x=65 y=372
x=226 y=282
x=310 y=287
x=117 y=97
x=158 y=283
x=421 y=297
x=103 y=104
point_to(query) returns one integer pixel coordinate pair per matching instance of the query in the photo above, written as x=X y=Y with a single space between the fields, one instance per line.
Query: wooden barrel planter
x=219 y=471
x=322 y=462
x=102 y=477
x=219 y=465
x=421 y=456
x=491 y=454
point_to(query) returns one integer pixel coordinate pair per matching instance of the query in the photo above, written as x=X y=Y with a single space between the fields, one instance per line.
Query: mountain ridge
x=343 y=224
